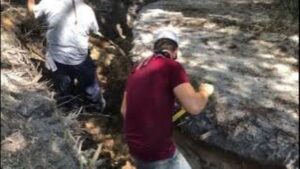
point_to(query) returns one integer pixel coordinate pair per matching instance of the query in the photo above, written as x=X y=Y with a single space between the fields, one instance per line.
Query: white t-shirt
x=68 y=32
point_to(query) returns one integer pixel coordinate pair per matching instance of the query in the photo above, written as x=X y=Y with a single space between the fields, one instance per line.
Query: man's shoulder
x=87 y=8
x=45 y=2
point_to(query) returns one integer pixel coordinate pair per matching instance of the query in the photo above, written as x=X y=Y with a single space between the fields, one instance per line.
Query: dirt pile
x=30 y=119
x=253 y=65
x=254 y=112
x=34 y=134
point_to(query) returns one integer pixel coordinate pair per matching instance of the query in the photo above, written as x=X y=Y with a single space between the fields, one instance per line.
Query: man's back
x=69 y=25
x=150 y=100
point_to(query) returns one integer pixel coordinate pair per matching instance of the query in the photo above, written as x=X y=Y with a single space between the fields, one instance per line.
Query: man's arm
x=30 y=5
x=193 y=102
x=123 y=106
x=38 y=10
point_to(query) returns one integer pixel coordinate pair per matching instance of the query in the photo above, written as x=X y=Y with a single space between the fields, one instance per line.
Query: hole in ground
x=108 y=131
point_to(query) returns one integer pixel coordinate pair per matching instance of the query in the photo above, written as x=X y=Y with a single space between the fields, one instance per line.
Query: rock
x=294 y=39
x=272 y=37
x=108 y=144
x=254 y=112
x=13 y=143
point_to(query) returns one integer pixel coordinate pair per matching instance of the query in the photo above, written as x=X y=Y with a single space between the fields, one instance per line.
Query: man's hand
x=206 y=88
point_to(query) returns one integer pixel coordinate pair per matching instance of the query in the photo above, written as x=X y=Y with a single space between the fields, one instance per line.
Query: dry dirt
x=252 y=118
x=33 y=132
x=253 y=64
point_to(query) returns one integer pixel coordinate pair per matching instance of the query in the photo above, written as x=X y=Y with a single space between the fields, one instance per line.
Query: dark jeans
x=85 y=73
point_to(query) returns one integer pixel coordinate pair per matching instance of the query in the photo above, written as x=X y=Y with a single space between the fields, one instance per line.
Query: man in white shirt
x=70 y=22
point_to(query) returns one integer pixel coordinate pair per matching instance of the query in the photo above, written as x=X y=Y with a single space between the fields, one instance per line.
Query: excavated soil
x=252 y=60
x=33 y=132
x=250 y=123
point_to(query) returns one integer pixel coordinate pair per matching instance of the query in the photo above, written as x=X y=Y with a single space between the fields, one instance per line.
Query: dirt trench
x=114 y=63
x=199 y=154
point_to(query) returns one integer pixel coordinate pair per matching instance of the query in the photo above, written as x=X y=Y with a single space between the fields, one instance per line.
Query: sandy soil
x=253 y=114
x=234 y=45
x=33 y=132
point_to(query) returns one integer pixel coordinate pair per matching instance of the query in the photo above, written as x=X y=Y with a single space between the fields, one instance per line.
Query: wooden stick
x=68 y=101
x=95 y=157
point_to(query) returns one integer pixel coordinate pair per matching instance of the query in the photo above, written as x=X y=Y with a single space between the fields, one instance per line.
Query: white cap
x=168 y=34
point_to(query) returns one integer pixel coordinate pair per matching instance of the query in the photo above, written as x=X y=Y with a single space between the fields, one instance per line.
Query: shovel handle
x=178 y=114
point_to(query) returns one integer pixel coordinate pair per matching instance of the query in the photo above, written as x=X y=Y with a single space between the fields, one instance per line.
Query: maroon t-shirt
x=150 y=101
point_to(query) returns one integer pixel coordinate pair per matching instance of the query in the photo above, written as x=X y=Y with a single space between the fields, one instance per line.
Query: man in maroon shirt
x=148 y=102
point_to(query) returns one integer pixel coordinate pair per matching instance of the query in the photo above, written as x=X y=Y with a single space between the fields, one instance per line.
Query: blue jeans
x=85 y=73
x=177 y=161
